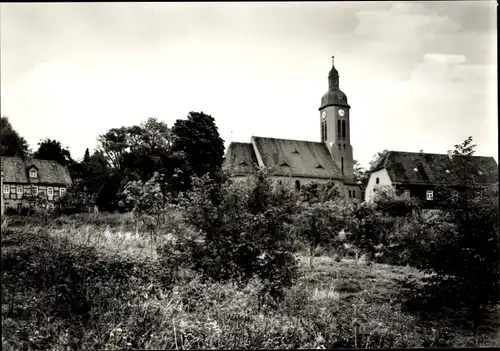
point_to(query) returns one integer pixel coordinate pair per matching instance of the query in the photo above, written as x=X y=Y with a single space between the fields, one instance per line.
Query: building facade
x=298 y=162
x=24 y=178
x=419 y=174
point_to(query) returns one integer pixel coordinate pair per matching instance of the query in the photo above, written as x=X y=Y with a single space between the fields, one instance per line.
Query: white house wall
x=384 y=180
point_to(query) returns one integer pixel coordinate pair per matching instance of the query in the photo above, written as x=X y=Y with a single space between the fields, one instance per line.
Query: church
x=299 y=162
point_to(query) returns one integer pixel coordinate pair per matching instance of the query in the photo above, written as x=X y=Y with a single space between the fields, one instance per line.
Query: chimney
x=421 y=151
x=450 y=154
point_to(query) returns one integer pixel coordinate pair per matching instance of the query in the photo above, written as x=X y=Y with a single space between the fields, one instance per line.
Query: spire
x=333 y=61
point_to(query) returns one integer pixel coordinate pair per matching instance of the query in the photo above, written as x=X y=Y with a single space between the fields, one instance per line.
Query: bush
x=242 y=232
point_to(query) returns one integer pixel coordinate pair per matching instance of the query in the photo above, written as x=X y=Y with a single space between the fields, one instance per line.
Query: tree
x=197 y=149
x=49 y=149
x=377 y=158
x=463 y=247
x=361 y=176
x=244 y=230
x=11 y=144
x=319 y=224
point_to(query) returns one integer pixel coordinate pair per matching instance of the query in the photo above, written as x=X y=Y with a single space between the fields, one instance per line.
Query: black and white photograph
x=249 y=175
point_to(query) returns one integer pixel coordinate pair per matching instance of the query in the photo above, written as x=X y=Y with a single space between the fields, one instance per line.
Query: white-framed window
x=429 y=195
x=35 y=190
x=6 y=189
x=62 y=191
x=33 y=173
x=19 y=189
x=50 y=191
x=406 y=194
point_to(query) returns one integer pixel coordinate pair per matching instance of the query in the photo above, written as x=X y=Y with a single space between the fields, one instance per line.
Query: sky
x=418 y=76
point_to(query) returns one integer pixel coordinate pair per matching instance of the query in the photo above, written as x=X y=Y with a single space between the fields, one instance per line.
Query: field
x=126 y=304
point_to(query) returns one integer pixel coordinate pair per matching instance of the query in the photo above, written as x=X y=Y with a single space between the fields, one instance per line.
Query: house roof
x=432 y=168
x=296 y=158
x=15 y=170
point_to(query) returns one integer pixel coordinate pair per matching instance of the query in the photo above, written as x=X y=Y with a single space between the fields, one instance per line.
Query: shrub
x=242 y=232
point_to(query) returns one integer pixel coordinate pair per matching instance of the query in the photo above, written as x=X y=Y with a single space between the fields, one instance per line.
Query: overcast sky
x=417 y=75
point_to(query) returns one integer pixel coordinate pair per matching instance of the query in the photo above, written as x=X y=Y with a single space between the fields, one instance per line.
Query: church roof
x=426 y=168
x=296 y=158
x=241 y=158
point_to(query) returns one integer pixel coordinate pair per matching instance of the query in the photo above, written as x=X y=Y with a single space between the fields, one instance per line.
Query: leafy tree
x=463 y=247
x=197 y=149
x=11 y=144
x=319 y=224
x=377 y=158
x=243 y=231
x=49 y=149
x=361 y=176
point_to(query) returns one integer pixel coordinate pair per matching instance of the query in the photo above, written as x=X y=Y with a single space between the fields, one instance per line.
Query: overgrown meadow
x=248 y=265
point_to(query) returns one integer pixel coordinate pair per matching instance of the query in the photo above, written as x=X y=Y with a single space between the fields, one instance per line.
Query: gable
x=420 y=168
x=296 y=158
x=240 y=158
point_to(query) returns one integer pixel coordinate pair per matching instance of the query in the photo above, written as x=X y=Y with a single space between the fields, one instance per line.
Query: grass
x=336 y=304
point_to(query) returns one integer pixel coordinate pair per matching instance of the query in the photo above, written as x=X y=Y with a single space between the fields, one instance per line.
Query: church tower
x=335 y=124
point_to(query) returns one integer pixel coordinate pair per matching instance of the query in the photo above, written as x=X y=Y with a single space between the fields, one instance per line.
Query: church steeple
x=333 y=77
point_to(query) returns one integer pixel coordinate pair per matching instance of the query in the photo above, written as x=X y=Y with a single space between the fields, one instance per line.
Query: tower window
x=336 y=82
x=297 y=185
x=340 y=97
x=340 y=147
x=339 y=129
x=322 y=132
x=344 y=147
x=343 y=129
x=342 y=164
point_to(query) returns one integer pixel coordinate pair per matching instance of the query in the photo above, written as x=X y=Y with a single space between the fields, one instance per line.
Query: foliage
x=361 y=176
x=11 y=143
x=319 y=224
x=377 y=158
x=462 y=247
x=243 y=231
x=49 y=149
x=197 y=150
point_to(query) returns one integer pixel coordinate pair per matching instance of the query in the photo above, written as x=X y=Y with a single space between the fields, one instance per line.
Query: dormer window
x=284 y=164
x=319 y=167
x=447 y=171
x=415 y=170
x=340 y=97
x=33 y=173
x=480 y=173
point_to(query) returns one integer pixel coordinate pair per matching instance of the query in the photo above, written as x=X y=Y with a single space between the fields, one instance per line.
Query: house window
x=6 y=189
x=430 y=195
x=33 y=173
x=354 y=193
x=339 y=135
x=406 y=194
x=377 y=180
x=35 y=190
x=297 y=185
x=62 y=191
x=50 y=191
x=350 y=194
x=19 y=189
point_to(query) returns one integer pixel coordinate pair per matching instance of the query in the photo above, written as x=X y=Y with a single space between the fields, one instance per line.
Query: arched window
x=322 y=131
x=325 y=130
x=377 y=180
x=343 y=129
x=342 y=164
x=336 y=82
x=297 y=185
x=338 y=129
